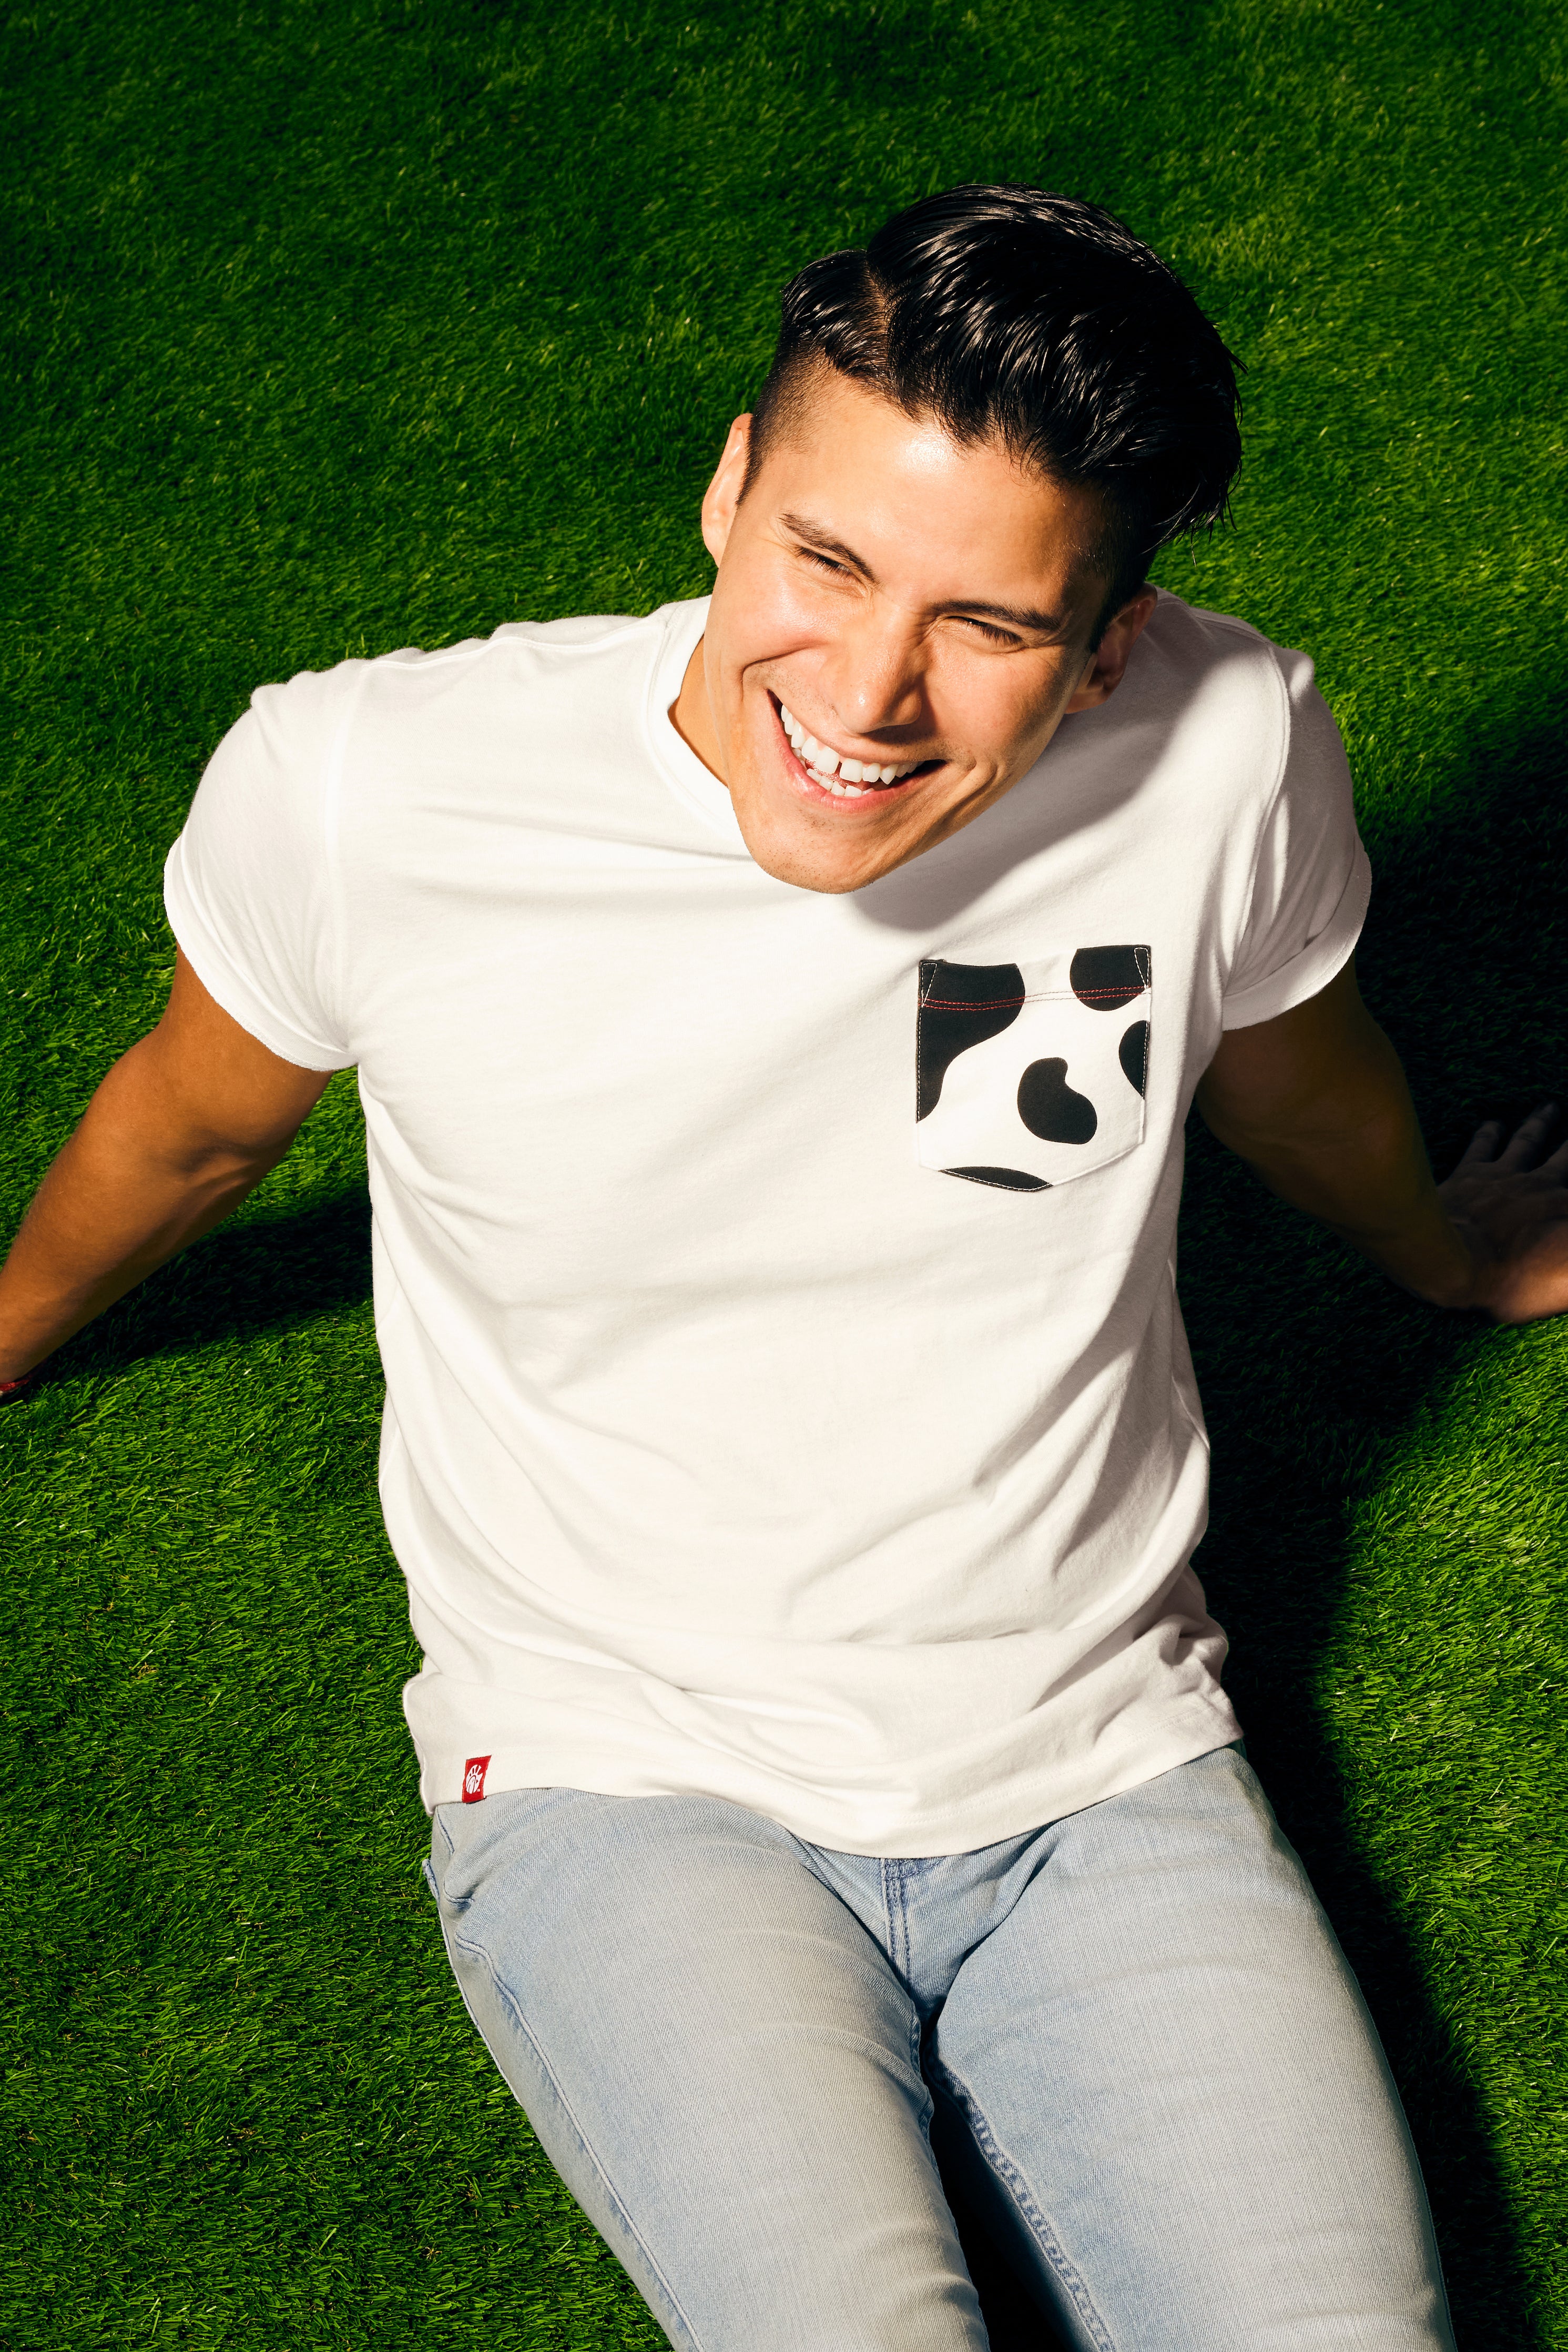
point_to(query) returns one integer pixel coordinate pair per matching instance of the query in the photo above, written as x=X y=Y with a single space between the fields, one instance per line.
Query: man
x=776 y=1020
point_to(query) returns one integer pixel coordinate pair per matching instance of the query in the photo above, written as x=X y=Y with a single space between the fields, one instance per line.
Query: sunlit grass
x=338 y=326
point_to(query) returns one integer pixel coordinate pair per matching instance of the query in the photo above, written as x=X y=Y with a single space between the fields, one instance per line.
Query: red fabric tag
x=474 y=1773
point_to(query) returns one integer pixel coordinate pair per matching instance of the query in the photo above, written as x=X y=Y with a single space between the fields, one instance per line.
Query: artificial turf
x=343 y=326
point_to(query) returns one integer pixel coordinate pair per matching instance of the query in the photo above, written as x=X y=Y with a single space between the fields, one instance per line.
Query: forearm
x=1351 y=1155
x=125 y=1194
x=1376 y=1190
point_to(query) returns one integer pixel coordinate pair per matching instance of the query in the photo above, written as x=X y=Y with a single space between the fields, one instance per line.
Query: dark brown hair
x=1040 y=321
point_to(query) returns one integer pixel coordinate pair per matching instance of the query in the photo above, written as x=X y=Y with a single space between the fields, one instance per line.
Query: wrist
x=1455 y=1277
x=1437 y=1257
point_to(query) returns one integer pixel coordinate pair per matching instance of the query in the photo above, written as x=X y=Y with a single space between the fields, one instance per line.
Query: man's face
x=886 y=599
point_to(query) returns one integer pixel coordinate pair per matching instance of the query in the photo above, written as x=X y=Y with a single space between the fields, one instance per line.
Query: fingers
x=1483 y=1145
x=1523 y=1147
x=1522 y=1150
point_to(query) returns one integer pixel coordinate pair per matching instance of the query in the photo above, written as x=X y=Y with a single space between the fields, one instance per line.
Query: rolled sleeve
x=1310 y=879
x=212 y=958
x=1301 y=978
x=249 y=887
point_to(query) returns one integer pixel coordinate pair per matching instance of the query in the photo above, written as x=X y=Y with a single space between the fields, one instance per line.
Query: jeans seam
x=895 y=1909
x=478 y=1952
x=916 y=2036
x=1029 y=2210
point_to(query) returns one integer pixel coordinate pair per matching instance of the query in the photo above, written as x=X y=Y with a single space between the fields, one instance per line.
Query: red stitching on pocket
x=975 y=1003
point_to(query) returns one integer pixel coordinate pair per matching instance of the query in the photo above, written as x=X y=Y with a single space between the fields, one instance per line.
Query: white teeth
x=841 y=776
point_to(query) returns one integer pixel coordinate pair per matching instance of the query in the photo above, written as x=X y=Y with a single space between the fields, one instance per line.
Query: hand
x=1510 y=1208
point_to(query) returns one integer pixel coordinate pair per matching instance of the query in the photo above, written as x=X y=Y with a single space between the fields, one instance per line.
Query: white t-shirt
x=745 y=1432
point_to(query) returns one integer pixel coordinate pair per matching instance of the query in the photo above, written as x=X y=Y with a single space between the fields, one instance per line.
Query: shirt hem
x=963 y=1826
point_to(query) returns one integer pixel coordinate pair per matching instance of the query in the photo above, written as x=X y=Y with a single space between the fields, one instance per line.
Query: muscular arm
x=181 y=1129
x=1316 y=1101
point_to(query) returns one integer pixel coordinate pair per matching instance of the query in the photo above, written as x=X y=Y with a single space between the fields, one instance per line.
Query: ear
x=723 y=491
x=1103 y=671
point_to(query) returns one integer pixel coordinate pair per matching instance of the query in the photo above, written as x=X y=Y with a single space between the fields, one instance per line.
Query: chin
x=810 y=857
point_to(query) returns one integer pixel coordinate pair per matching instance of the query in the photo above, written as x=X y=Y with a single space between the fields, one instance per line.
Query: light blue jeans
x=1134 y=2029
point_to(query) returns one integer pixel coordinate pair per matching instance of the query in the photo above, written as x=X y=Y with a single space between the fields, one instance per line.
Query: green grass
x=350 y=325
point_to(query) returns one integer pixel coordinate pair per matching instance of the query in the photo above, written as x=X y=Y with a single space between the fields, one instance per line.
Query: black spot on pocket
x=1107 y=978
x=1133 y=1053
x=1007 y=1180
x=1049 y=1108
x=961 y=1004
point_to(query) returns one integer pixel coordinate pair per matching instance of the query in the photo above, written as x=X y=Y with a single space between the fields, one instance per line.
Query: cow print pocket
x=1028 y=1075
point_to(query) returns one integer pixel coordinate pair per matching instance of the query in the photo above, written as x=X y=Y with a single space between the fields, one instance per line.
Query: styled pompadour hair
x=1041 y=322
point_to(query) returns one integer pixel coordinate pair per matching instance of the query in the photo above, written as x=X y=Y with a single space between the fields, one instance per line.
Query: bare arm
x=1316 y=1101
x=181 y=1129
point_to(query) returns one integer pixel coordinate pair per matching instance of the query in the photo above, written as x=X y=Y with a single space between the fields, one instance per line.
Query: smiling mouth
x=835 y=772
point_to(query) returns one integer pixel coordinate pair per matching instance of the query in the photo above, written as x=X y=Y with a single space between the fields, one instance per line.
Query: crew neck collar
x=693 y=783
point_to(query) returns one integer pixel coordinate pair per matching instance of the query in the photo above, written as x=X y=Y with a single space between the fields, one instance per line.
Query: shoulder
x=515 y=653
x=1192 y=645
x=290 y=724
x=305 y=712
x=1218 y=685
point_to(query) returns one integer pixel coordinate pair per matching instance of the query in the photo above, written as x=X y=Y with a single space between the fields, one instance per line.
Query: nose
x=876 y=673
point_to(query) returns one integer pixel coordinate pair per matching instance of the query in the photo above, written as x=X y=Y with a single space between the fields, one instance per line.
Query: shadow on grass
x=271 y=1274
x=1312 y=1371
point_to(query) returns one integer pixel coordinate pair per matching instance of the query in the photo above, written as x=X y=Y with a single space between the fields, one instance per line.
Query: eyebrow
x=803 y=527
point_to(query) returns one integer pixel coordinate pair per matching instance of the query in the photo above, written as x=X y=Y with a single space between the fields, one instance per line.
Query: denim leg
x=720 y=2063
x=1169 y=2070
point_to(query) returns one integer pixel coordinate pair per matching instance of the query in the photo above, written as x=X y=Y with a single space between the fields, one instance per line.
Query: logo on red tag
x=474 y=1773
